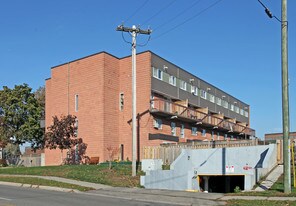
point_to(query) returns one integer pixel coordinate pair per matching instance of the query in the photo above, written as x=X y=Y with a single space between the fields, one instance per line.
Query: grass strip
x=260 y=202
x=118 y=176
x=43 y=182
x=277 y=190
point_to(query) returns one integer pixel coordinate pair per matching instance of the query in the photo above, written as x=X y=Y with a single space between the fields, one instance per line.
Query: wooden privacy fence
x=168 y=153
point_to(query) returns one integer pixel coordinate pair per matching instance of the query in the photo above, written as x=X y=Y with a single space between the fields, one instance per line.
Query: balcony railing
x=178 y=110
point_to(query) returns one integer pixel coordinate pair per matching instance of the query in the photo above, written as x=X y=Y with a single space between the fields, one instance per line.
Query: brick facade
x=277 y=136
x=99 y=80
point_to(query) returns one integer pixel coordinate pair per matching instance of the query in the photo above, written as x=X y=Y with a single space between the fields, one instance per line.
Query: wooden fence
x=168 y=153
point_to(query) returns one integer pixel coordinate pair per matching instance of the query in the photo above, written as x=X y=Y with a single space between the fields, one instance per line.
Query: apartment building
x=273 y=137
x=172 y=105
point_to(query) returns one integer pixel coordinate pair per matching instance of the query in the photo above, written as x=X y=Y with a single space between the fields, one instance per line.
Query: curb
x=58 y=189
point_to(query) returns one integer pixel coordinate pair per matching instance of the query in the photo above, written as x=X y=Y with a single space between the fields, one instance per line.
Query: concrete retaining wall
x=253 y=162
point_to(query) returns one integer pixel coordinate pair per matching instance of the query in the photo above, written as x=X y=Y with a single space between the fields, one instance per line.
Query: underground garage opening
x=221 y=183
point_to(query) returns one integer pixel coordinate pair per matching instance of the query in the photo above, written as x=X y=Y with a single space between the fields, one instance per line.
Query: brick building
x=172 y=104
x=273 y=137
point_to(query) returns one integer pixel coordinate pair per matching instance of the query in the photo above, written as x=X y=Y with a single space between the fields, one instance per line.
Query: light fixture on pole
x=285 y=93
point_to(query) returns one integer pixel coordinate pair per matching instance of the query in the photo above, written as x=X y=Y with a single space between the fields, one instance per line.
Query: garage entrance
x=221 y=183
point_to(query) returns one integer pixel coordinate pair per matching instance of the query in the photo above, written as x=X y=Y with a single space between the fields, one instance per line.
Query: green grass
x=260 y=202
x=119 y=175
x=38 y=181
x=276 y=190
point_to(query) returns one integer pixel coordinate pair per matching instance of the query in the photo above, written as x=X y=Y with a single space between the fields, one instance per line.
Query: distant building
x=272 y=137
x=32 y=158
x=278 y=139
x=172 y=105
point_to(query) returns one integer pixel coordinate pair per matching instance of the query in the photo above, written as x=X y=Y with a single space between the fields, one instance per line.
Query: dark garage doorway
x=223 y=183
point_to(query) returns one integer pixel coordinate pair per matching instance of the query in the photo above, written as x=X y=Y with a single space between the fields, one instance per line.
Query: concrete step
x=271 y=178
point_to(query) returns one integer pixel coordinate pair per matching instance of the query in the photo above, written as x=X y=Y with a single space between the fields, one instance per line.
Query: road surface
x=11 y=195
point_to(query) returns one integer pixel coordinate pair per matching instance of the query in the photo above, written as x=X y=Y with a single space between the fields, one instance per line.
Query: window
x=224 y=104
x=242 y=111
x=183 y=85
x=232 y=107
x=246 y=114
x=225 y=136
x=172 y=80
x=121 y=101
x=182 y=133
x=157 y=123
x=203 y=133
x=203 y=94
x=152 y=101
x=76 y=102
x=218 y=136
x=194 y=90
x=157 y=73
x=218 y=101
x=213 y=135
x=76 y=128
x=212 y=98
x=236 y=109
x=194 y=131
x=173 y=128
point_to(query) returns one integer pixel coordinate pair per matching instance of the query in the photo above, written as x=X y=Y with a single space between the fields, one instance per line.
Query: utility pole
x=285 y=100
x=134 y=31
x=285 y=94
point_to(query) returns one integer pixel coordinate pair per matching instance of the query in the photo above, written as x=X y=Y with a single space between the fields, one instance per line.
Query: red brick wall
x=111 y=106
x=143 y=101
x=85 y=78
x=98 y=80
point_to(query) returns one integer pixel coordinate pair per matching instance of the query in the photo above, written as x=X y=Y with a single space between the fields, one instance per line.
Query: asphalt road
x=10 y=196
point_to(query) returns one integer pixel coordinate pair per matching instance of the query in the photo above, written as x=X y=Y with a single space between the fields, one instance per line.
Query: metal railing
x=161 y=105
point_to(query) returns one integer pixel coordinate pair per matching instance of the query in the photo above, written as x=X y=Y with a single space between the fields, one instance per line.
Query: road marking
x=2 y=198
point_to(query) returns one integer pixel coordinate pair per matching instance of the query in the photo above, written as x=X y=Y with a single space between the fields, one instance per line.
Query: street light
x=285 y=93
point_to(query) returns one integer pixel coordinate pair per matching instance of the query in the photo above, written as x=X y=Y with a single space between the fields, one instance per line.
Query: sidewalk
x=157 y=196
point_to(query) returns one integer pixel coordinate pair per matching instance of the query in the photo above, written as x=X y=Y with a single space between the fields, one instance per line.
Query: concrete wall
x=32 y=160
x=206 y=162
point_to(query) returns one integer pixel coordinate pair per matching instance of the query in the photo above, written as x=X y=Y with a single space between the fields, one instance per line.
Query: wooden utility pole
x=134 y=31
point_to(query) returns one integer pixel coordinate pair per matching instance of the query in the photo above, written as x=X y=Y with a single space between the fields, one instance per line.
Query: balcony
x=183 y=113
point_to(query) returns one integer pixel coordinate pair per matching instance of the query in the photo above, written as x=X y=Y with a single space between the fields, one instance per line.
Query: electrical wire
x=267 y=11
x=137 y=10
x=158 y=12
x=125 y=39
x=179 y=14
x=142 y=45
x=189 y=19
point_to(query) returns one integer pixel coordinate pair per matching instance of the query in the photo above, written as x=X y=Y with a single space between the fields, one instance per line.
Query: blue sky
x=232 y=45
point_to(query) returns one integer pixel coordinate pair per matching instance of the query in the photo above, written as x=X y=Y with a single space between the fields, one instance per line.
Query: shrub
x=3 y=163
x=237 y=189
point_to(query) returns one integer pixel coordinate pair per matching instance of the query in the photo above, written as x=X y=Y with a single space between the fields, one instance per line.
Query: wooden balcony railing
x=174 y=109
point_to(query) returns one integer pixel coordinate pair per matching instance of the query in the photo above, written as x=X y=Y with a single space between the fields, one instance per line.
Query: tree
x=20 y=115
x=12 y=153
x=76 y=155
x=62 y=135
x=40 y=97
x=112 y=152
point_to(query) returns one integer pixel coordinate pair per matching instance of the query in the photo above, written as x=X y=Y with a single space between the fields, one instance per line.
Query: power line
x=189 y=19
x=125 y=39
x=134 y=31
x=182 y=12
x=142 y=45
x=137 y=11
x=158 y=12
x=268 y=12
